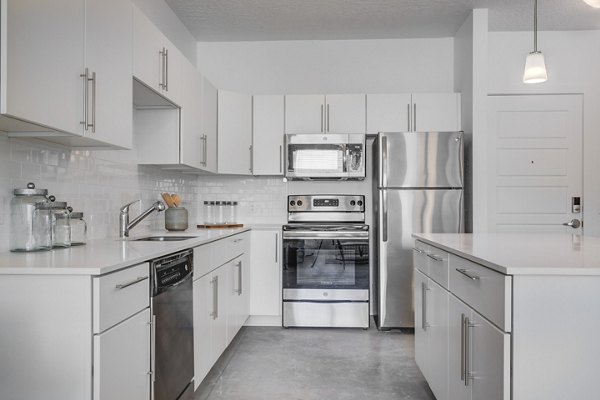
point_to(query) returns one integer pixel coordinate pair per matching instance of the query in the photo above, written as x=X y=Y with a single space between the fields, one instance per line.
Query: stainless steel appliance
x=331 y=156
x=326 y=262
x=418 y=188
x=172 y=319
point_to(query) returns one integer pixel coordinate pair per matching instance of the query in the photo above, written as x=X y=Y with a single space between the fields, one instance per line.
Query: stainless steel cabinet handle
x=161 y=55
x=215 y=287
x=384 y=224
x=414 y=117
x=424 y=289
x=205 y=150
x=166 y=70
x=418 y=250
x=463 y=321
x=468 y=326
x=468 y=274
x=322 y=118
x=327 y=117
x=85 y=77
x=239 y=290
x=133 y=282
x=237 y=240
x=276 y=246
x=434 y=257
x=153 y=348
x=408 y=117
x=251 y=158
x=384 y=161
x=280 y=159
x=93 y=125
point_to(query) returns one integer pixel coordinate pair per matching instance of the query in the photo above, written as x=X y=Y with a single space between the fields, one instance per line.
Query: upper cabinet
x=325 y=114
x=157 y=63
x=267 y=134
x=235 y=133
x=428 y=112
x=66 y=76
x=209 y=95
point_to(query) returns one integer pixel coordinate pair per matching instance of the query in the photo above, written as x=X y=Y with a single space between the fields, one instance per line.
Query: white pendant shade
x=593 y=3
x=535 y=68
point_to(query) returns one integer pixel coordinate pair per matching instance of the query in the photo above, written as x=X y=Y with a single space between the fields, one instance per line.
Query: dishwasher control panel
x=171 y=270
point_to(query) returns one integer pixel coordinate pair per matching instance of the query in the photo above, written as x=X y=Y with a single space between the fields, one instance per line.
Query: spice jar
x=233 y=212
x=61 y=223
x=31 y=228
x=209 y=207
x=220 y=212
x=78 y=229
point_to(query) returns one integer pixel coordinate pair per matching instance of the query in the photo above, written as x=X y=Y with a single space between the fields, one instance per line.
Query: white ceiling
x=241 y=20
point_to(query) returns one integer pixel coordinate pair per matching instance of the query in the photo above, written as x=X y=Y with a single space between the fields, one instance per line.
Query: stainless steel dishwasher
x=172 y=321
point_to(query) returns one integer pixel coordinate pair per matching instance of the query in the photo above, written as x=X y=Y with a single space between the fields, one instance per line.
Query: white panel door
x=234 y=303
x=305 y=114
x=148 y=42
x=388 y=112
x=267 y=134
x=209 y=124
x=435 y=112
x=203 y=362
x=220 y=283
x=191 y=137
x=457 y=390
x=43 y=43
x=422 y=350
x=345 y=113
x=122 y=360
x=235 y=133
x=535 y=158
x=108 y=54
x=265 y=280
x=437 y=320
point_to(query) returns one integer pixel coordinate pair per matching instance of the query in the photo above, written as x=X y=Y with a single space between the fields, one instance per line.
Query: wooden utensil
x=167 y=198
x=176 y=199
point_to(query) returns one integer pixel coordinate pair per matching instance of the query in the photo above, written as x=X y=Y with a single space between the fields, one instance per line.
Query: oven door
x=325 y=260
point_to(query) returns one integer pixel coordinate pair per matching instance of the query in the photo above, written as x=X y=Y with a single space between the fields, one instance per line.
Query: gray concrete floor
x=316 y=364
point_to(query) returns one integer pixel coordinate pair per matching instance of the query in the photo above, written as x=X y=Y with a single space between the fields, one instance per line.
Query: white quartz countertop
x=102 y=256
x=523 y=254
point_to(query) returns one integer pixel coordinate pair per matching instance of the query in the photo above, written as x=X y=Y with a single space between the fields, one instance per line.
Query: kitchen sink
x=163 y=238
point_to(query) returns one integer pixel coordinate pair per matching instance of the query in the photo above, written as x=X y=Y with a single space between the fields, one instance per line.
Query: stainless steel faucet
x=125 y=226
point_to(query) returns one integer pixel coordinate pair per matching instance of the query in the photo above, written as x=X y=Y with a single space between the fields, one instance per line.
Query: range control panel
x=326 y=203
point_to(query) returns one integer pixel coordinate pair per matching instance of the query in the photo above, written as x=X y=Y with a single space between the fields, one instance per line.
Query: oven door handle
x=310 y=235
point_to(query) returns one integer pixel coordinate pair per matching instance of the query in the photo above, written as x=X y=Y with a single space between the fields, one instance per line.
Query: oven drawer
x=326 y=315
x=326 y=295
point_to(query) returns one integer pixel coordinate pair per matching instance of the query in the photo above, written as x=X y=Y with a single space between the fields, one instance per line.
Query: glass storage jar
x=209 y=207
x=233 y=212
x=220 y=212
x=61 y=224
x=30 y=229
x=78 y=229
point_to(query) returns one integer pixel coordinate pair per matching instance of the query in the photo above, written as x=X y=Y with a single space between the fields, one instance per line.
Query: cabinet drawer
x=485 y=290
x=438 y=266
x=212 y=255
x=420 y=262
x=119 y=295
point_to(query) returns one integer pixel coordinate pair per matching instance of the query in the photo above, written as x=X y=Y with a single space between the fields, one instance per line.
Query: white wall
x=330 y=66
x=573 y=64
x=165 y=19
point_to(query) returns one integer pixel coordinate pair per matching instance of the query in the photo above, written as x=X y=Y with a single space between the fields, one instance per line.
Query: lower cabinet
x=265 y=298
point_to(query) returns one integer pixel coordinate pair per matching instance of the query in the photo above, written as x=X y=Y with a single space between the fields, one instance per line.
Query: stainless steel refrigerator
x=418 y=187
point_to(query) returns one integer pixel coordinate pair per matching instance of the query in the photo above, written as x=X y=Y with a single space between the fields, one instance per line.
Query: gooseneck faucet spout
x=125 y=226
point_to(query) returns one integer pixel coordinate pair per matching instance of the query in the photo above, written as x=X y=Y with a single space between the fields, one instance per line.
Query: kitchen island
x=508 y=316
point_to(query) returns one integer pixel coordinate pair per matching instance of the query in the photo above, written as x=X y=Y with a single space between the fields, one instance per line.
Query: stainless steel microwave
x=330 y=156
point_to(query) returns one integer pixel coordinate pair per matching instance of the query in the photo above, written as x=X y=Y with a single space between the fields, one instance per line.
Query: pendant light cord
x=535 y=50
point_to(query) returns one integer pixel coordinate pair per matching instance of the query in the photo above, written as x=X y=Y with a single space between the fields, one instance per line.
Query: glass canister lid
x=30 y=191
x=76 y=214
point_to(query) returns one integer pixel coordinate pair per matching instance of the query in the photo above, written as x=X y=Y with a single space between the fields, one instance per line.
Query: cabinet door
x=422 y=350
x=388 y=112
x=267 y=134
x=202 y=292
x=234 y=305
x=305 y=114
x=219 y=302
x=245 y=287
x=44 y=50
x=437 y=319
x=209 y=124
x=108 y=54
x=436 y=112
x=147 y=47
x=457 y=389
x=191 y=137
x=122 y=360
x=490 y=361
x=265 y=280
x=345 y=113
x=235 y=133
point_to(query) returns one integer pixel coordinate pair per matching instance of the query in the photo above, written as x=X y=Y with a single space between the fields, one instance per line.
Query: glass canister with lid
x=61 y=223
x=30 y=220
x=78 y=229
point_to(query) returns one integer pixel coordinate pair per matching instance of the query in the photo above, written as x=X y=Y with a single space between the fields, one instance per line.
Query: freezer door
x=402 y=213
x=420 y=160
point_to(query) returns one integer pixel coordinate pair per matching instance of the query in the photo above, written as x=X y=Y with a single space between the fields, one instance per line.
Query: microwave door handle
x=346 y=152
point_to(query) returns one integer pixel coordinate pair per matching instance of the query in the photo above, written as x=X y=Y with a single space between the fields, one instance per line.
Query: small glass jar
x=227 y=212
x=233 y=212
x=61 y=224
x=31 y=227
x=220 y=212
x=209 y=207
x=78 y=229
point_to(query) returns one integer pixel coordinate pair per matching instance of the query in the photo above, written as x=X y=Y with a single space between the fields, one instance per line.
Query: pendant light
x=535 y=66
x=593 y=3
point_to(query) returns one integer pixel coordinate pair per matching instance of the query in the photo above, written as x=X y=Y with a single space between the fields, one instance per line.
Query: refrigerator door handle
x=384 y=161
x=384 y=214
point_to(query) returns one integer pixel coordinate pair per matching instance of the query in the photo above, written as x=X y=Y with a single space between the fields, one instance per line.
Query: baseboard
x=263 y=320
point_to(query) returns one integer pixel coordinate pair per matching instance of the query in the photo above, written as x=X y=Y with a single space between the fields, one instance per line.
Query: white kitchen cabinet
x=238 y=304
x=208 y=102
x=157 y=62
x=265 y=279
x=45 y=82
x=422 y=112
x=122 y=360
x=343 y=113
x=203 y=299
x=234 y=133
x=191 y=136
x=268 y=128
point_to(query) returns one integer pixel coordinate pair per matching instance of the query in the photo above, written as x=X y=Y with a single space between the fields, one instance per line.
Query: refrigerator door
x=420 y=160
x=402 y=212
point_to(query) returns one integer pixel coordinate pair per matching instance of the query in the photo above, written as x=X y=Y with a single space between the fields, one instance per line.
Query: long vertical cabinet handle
x=409 y=117
x=251 y=158
x=203 y=140
x=463 y=334
x=153 y=351
x=215 y=292
x=414 y=117
x=239 y=290
x=93 y=124
x=328 y=118
x=322 y=117
x=468 y=326
x=161 y=55
x=384 y=213
x=424 y=289
x=167 y=70
x=280 y=159
x=85 y=77
x=276 y=247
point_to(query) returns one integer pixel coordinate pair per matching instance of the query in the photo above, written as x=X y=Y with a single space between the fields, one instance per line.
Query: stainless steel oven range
x=326 y=262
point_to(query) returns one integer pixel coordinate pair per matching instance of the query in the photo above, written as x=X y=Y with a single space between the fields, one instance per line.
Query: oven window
x=325 y=263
